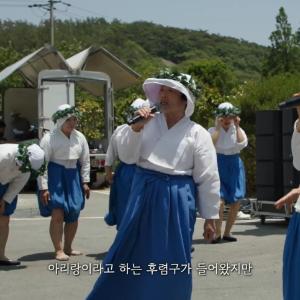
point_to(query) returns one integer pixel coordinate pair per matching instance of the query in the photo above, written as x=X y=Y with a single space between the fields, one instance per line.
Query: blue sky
x=251 y=20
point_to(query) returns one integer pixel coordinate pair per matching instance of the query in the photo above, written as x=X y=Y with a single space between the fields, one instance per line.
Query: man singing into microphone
x=176 y=169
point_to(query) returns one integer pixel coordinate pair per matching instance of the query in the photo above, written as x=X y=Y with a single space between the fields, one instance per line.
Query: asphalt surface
x=247 y=269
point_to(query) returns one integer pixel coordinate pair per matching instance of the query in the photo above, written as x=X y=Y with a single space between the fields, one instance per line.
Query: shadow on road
x=97 y=256
x=199 y=241
x=12 y=268
x=38 y=256
x=269 y=228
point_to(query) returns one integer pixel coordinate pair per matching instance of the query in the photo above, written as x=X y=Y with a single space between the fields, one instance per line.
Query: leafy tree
x=215 y=74
x=284 y=52
x=8 y=55
x=206 y=105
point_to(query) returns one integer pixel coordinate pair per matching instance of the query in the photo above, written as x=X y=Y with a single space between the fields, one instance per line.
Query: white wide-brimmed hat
x=178 y=81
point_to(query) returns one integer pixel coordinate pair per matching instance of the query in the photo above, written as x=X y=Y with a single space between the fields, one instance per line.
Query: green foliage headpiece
x=184 y=79
x=31 y=158
x=226 y=109
x=68 y=111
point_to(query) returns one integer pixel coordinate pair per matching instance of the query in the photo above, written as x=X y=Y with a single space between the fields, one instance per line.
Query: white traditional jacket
x=66 y=152
x=227 y=143
x=10 y=173
x=112 y=152
x=295 y=144
x=184 y=149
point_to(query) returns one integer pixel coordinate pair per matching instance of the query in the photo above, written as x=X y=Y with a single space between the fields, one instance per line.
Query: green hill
x=142 y=45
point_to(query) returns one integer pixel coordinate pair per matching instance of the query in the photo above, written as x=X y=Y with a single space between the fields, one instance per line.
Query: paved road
x=259 y=246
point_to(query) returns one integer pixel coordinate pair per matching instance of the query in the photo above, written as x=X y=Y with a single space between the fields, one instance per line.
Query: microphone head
x=155 y=108
x=136 y=118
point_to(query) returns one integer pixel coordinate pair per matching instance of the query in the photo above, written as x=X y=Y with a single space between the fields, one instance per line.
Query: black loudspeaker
x=286 y=147
x=290 y=174
x=268 y=122
x=268 y=147
x=269 y=168
x=289 y=116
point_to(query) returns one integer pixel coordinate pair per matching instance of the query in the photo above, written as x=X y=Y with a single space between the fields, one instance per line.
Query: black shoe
x=216 y=240
x=9 y=262
x=192 y=249
x=229 y=238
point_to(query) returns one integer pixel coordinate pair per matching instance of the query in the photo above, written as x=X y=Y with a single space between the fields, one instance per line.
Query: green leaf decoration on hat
x=23 y=157
x=189 y=83
x=72 y=111
x=227 y=112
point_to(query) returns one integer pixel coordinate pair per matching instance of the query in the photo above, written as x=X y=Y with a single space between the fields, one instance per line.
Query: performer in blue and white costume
x=176 y=169
x=229 y=139
x=17 y=162
x=122 y=179
x=64 y=187
x=291 y=253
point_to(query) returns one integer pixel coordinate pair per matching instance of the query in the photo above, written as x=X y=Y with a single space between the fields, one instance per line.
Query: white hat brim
x=152 y=87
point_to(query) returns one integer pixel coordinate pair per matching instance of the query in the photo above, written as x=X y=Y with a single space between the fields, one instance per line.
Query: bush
x=92 y=119
x=254 y=96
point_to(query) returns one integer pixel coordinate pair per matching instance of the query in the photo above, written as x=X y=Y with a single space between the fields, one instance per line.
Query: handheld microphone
x=138 y=118
x=290 y=103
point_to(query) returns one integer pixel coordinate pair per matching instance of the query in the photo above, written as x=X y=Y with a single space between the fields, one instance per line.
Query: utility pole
x=50 y=6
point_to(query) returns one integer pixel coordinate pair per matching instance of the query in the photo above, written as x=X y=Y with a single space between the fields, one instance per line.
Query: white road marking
x=105 y=192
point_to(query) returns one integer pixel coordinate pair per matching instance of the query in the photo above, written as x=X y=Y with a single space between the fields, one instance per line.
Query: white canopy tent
x=90 y=59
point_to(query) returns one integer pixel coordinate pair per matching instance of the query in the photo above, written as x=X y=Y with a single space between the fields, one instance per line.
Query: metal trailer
x=50 y=81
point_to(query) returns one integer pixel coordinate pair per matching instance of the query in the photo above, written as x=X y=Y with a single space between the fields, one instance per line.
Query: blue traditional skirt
x=291 y=260
x=232 y=178
x=119 y=193
x=154 y=235
x=9 y=208
x=65 y=192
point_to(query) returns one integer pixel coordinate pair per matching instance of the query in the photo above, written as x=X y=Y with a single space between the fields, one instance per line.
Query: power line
x=16 y=1
x=70 y=14
x=83 y=9
x=12 y=5
x=89 y=11
x=40 y=16
x=50 y=6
